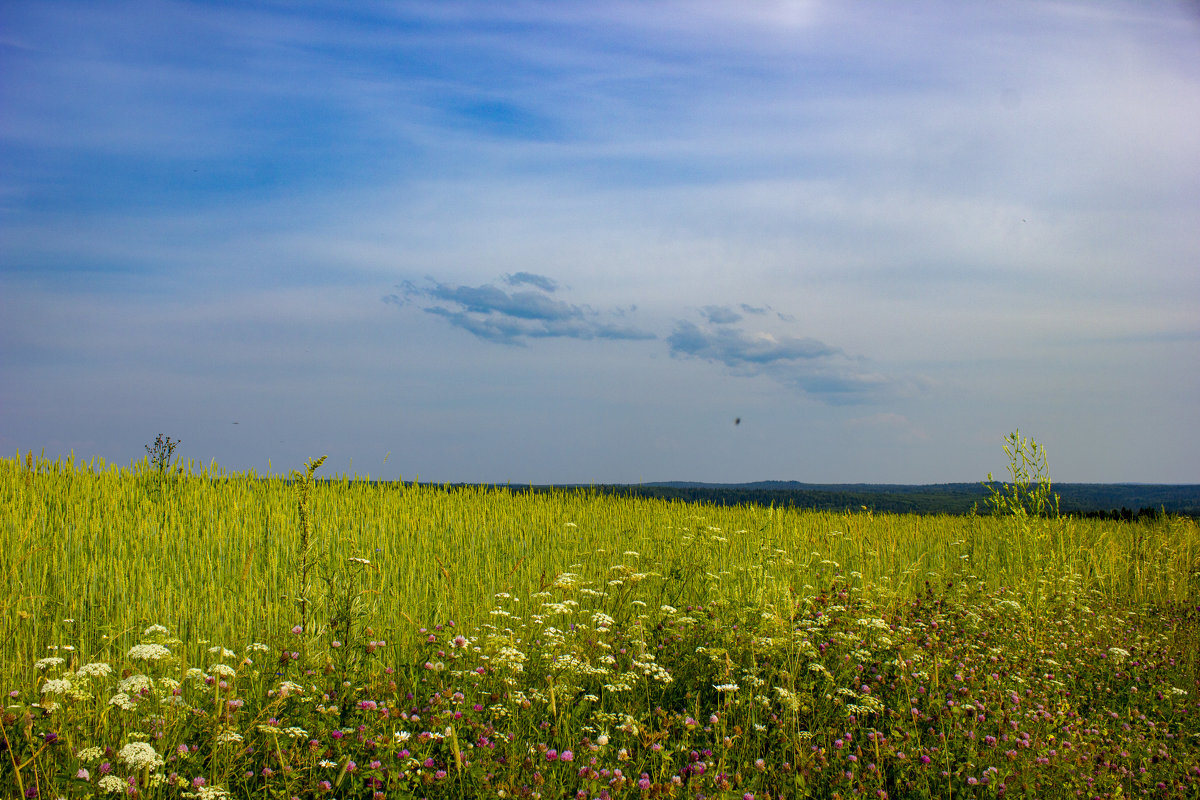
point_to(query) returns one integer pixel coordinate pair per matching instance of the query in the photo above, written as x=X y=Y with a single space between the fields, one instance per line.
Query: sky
x=612 y=241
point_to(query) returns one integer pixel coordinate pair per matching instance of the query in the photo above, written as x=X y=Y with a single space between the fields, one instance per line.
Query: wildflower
x=223 y=670
x=46 y=663
x=725 y=688
x=111 y=784
x=90 y=754
x=148 y=652
x=135 y=684
x=122 y=701
x=83 y=774
x=96 y=669
x=363 y=561
x=140 y=755
x=229 y=736
x=155 y=629
x=58 y=686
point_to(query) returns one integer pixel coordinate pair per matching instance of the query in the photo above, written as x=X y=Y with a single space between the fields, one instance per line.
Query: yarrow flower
x=140 y=755
x=96 y=669
x=111 y=784
x=134 y=684
x=122 y=701
x=58 y=686
x=148 y=652
x=46 y=663
x=229 y=737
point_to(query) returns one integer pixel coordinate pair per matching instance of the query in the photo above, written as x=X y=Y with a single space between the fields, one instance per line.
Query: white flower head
x=140 y=755
x=135 y=683
x=149 y=652
x=96 y=669
x=111 y=784
x=122 y=701
x=155 y=629
x=90 y=754
x=46 y=663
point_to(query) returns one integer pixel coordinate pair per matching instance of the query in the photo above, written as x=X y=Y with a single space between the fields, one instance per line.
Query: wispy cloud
x=533 y=279
x=720 y=315
x=495 y=315
x=807 y=365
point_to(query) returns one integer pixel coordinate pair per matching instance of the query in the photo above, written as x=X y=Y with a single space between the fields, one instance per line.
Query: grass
x=189 y=635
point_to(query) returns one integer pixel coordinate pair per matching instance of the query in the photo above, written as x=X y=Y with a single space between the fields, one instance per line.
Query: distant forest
x=1128 y=501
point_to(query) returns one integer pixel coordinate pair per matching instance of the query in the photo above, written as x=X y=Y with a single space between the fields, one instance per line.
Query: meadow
x=202 y=634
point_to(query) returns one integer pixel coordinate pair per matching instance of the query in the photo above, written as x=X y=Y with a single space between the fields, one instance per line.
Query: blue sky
x=565 y=241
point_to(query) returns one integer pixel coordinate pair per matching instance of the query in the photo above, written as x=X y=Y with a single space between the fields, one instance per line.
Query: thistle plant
x=304 y=488
x=1028 y=492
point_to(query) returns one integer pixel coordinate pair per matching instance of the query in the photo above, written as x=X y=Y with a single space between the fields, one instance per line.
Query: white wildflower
x=229 y=736
x=223 y=652
x=725 y=688
x=111 y=784
x=134 y=684
x=96 y=669
x=153 y=629
x=122 y=701
x=58 y=686
x=224 y=670
x=140 y=755
x=149 y=652
x=46 y=663
x=90 y=754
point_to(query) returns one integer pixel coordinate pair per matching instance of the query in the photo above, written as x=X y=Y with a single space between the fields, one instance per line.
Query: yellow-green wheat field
x=93 y=554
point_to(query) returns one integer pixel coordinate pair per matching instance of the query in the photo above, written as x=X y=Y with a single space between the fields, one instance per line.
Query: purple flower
x=567 y=755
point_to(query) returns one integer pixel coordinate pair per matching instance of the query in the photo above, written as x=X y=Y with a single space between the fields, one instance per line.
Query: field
x=204 y=634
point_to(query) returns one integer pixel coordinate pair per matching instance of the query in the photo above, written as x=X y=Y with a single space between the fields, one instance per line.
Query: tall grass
x=96 y=558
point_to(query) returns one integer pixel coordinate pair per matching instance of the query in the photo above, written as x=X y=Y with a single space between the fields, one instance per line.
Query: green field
x=194 y=634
